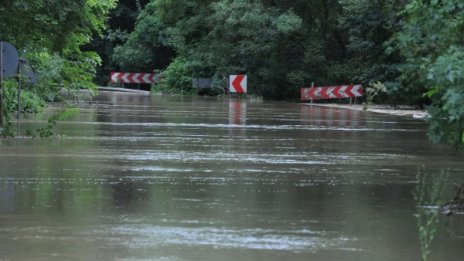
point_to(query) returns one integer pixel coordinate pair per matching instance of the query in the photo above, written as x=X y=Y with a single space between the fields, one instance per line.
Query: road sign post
x=238 y=84
x=9 y=61
x=1 y=84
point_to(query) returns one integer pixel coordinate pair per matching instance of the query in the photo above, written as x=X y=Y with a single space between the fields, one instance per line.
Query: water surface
x=135 y=177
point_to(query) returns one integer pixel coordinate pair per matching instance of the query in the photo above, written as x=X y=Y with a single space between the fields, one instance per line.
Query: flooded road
x=190 y=178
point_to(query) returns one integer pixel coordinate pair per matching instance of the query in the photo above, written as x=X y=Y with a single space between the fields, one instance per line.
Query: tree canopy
x=282 y=45
x=51 y=33
x=414 y=47
x=431 y=41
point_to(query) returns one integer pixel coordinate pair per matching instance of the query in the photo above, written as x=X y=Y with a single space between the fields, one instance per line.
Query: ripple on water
x=143 y=236
x=202 y=126
x=147 y=236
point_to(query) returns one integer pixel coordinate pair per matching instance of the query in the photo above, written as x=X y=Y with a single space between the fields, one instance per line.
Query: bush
x=177 y=78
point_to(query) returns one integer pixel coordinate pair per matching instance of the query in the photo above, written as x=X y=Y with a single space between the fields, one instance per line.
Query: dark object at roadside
x=456 y=206
x=202 y=83
x=9 y=59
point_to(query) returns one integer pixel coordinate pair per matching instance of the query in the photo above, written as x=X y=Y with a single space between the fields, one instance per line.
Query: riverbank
x=406 y=111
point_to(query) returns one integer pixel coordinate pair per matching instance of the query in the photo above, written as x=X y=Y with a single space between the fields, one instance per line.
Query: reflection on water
x=237 y=112
x=191 y=178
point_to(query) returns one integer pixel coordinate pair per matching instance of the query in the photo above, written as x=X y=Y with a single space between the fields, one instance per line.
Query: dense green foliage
x=177 y=78
x=53 y=31
x=415 y=48
x=432 y=43
x=51 y=34
x=281 y=45
x=412 y=47
x=204 y=36
x=119 y=25
x=369 y=26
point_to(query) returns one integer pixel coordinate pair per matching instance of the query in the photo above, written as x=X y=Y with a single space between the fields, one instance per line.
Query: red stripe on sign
x=324 y=93
x=140 y=78
x=131 y=78
x=348 y=91
x=237 y=83
x=312 y=94
x=336 y=92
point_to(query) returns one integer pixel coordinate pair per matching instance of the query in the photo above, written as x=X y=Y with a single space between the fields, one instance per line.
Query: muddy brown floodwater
x=136 y=177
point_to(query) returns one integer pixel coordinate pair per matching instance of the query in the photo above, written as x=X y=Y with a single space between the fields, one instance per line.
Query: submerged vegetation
x=429 y=194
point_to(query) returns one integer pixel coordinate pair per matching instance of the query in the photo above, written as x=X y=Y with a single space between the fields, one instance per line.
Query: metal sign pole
x=1 y=84
x=9 y=62
x=19 y=95
x=312 y=86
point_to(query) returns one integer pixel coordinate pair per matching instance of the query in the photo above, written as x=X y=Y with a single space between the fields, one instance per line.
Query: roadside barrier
x=140 y=78
x=331 y=92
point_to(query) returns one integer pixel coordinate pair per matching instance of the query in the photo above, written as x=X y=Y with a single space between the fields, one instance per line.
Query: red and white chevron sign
x=238 y=83
x=331 y=92
x=123 y=77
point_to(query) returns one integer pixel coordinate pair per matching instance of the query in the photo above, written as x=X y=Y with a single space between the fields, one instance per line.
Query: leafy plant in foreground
x=427 y=195
x=432 y=44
